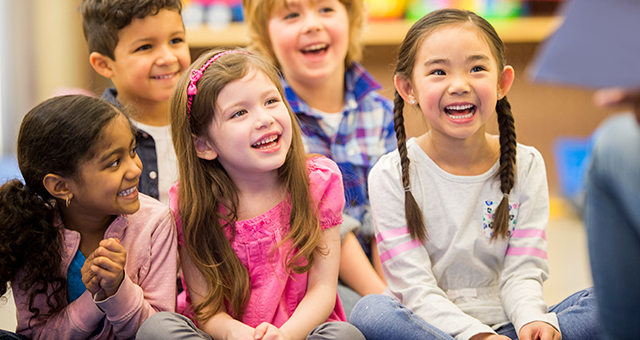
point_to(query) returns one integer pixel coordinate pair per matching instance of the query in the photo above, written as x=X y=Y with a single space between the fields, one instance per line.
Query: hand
x=489 y=336
x=539 y=330
x=108 y=264
x=89 y=278
x=619 y=96
x=267 y=331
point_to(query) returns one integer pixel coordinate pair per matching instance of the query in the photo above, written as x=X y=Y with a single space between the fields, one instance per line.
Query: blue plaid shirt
x=364 y=134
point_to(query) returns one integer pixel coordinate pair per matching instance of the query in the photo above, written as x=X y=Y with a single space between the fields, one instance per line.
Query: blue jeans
x=612 y=218
x=6 y=335
x=381 y=317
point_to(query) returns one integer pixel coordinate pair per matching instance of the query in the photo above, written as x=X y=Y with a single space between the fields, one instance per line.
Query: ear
x=404 y=88
x=506 y=80
x=57 y=186
x=204 y=148
x=102 y=64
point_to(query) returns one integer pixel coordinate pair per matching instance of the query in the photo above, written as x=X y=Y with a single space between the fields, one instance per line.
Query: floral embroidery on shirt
x=488 y=212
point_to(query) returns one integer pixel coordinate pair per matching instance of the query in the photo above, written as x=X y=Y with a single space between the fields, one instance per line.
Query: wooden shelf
x=391 y=32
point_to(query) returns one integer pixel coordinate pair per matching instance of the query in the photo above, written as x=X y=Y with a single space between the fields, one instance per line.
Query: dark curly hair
x=103 y=19
x=55 y=137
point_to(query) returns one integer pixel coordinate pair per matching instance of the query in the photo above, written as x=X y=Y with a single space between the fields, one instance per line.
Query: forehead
x=166 y=20
x=455 y=40
x=116 y=134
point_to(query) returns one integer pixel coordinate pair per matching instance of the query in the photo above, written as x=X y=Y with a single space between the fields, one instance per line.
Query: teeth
x=127 y=192
x=315 y=47
x=266 y=141
x=459 y=107
x=163 y=77
x=468 y=115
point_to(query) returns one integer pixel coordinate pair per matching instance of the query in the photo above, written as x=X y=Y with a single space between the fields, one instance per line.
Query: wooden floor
x=568 y=261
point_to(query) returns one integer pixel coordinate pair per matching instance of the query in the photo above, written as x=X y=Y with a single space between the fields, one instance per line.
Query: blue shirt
x=364 y=134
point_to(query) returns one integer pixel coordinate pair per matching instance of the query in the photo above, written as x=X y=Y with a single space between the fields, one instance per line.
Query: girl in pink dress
x=257 y=218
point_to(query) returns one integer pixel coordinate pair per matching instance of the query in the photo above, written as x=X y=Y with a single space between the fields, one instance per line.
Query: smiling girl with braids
x=460 y=214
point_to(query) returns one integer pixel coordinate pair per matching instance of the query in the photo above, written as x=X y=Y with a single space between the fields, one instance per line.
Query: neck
x=147 y=112
x=90 y=227
x=465 y=157
x=258 y=194
x=325 y=94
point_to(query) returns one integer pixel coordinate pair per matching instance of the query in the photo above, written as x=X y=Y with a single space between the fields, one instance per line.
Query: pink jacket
x=149 y=285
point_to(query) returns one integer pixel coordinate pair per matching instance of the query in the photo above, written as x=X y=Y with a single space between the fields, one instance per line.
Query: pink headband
x=197 y=74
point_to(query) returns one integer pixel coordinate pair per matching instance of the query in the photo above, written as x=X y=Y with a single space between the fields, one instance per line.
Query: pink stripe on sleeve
x=529 y=233
x=399 y=250
x=391 y=233
x=515 y=251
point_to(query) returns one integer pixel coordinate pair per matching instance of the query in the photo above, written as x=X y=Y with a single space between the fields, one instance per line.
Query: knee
x=157 y=325
x=336 y=330
x=370 y=309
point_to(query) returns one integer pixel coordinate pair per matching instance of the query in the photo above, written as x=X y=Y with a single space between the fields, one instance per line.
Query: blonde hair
x=404 y=67
x=258 y=13
x=205 y=187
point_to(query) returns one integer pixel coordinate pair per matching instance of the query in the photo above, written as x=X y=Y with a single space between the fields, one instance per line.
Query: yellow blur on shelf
x=386 y=9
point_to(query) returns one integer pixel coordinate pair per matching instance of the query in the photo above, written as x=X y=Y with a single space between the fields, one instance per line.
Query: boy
x=140 y=45
x=316 y=44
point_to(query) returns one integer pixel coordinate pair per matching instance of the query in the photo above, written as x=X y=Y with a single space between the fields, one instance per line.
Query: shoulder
x=325 y=184
x=151 y=212
x=387 y=165
x=528 y=157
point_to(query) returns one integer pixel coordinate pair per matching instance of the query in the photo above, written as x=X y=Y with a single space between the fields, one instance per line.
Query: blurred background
x=43 y=53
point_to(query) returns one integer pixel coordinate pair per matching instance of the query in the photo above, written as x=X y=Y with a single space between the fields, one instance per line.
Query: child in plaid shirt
x=316 y=45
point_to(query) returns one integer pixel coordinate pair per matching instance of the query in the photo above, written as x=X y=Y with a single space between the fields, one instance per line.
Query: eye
x=134 y=150
x=271 y=101
x=143 y=47
x=239 y=113
x=176 y=41
x=478 y=69
x=438 y=73
x=114 y=164
x=326 y=10
x=291 y=15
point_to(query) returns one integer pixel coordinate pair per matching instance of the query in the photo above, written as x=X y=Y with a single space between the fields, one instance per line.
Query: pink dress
x=275 y=294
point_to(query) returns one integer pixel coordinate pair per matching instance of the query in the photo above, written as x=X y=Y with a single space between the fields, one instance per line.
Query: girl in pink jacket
x=88 y=256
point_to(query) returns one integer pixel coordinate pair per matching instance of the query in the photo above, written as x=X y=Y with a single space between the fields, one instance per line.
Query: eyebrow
x=475 y=57
x=118 y=150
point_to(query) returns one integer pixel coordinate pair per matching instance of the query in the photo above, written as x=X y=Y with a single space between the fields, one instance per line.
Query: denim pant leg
x=169 y=326
x=6 y=335
x=380 y=317
x=612 y=218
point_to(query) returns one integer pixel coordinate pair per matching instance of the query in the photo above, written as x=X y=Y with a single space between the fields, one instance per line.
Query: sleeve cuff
x=550 y=318
x=123 y=301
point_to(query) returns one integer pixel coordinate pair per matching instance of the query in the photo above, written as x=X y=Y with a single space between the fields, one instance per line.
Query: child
x=460 y=215
x=256 y=218
x=316 y=45
x=86 y=254
x=141 y=47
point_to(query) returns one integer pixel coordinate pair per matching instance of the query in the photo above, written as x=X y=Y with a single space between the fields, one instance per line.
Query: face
x=310 y=39
x=456 y=82
x=251 y=132
x=150 y=57
x=107 y=183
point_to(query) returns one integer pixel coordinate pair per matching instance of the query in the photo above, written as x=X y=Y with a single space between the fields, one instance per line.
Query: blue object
x=9 y=168
x=572 y=157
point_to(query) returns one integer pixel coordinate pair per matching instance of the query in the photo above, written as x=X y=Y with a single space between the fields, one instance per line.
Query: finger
x=261 y=330
x=119 y=257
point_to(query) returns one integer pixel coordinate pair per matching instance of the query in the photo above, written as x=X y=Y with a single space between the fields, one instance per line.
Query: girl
x=86 y=254
x=257 y=220
x=316 y=44
x=460 y=214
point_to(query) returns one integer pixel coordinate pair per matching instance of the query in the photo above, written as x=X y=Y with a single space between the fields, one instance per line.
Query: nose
x=312 y=23
x=263 y=119
x=459 y=85
x=134 y=168
x=166 y=56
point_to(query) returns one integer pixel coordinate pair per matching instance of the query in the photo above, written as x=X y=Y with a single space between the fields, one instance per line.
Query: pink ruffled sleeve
x=325 y=182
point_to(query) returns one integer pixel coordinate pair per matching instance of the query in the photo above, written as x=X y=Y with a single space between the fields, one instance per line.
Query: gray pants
x=170 y=326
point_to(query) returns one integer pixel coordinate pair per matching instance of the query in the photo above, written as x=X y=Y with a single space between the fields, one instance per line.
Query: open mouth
x=127 y=192
x=266 y=143
x=315 y=49
x=166 y=76
x=460 y=111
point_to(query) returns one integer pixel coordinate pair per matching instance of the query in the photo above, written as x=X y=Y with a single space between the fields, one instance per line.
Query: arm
x=221 y=325
x=155 y=289
x=525 y=264
x=322 y=284
x=355 y=269
x=406 y=263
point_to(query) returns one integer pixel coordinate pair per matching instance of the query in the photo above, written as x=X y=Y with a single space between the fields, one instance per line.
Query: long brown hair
x=258 y=13
x=205 y=187
x=406 y=60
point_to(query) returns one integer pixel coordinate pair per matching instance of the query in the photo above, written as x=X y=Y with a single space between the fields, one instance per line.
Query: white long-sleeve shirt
x=459 y=280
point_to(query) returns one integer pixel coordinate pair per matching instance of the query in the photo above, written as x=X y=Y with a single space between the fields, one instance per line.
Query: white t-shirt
x=167 y=159
x=329 y=122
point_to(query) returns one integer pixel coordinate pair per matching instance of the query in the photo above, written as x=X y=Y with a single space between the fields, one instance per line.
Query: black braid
x=413 y=213
x=506 y=125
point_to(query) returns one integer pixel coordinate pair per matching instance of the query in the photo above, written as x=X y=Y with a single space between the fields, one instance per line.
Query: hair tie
x=197 y=74
x=505 y=196
x=407 y=189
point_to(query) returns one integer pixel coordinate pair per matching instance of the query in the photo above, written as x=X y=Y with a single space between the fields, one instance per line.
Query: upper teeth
x=315 y=47
x=266 y=140
x=460 y=107
x=127 y=192
x=164 y=77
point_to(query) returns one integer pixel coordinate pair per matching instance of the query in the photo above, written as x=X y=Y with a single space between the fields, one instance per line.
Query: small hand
x=538 y=330
x=108 y=264
x=267 y=331
x=489 y=336
x=89 y=278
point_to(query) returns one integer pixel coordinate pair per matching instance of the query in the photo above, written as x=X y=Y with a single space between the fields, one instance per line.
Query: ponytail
x=30 y=247
x=507 y=166
x=413 y=213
